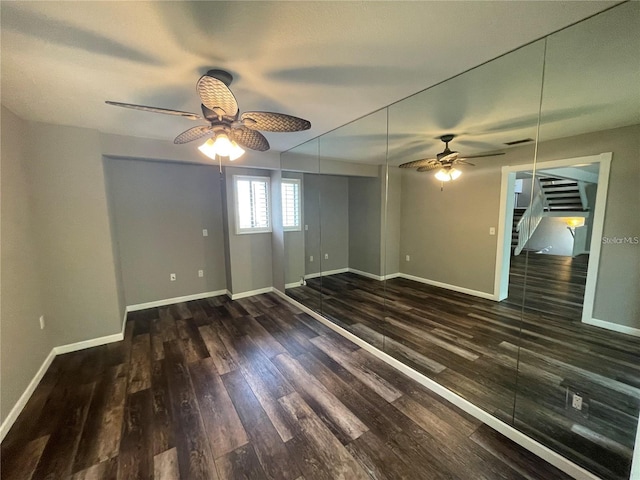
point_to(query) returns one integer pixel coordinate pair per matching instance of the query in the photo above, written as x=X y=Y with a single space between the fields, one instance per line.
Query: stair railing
x=529 y=221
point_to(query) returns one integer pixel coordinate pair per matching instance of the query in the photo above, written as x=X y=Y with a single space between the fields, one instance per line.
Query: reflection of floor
x=555 y=283
x=469 y=345
x=250 y=389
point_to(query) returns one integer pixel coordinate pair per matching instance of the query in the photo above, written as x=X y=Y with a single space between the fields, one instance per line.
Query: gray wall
x=23 y=346
x=249 y=254
x=365 y=221
x=71 y=221
x=159 y=211
x=334 y=222
x=311 y=196
x=326 y=213
x=553 y=236
x=446 y=233
x=617 y=296
x=392 y=222
x=277 y=236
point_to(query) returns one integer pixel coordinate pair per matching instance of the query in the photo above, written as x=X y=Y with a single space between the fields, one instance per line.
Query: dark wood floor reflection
x=554 y=283
x=250 y=389
x=470 y=345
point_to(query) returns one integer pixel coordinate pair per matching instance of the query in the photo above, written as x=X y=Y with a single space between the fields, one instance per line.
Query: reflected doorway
x=553 y=217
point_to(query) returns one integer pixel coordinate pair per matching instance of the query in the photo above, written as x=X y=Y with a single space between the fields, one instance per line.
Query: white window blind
x=291 y=204
x=252 y=204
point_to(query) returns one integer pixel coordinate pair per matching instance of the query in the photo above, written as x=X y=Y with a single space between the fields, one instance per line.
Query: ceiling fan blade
x=274 y=122
x=216 y=96
x=462 y=161
x=250 y=139
x=483 y=155
x=194 y=134
x=420 y=163
x=167 y=111
x=428 y=168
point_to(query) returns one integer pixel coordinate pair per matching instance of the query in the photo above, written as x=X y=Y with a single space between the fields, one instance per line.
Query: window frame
x=298 y=227
x=252 y=178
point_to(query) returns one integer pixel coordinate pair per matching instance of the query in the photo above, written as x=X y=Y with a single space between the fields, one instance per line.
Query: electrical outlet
x=41 y=322
x=172 y=277
x=407 y=258
x=576 y=401
x=326 y=256
x=311 y=258
x=205 y=232
x=201 y=273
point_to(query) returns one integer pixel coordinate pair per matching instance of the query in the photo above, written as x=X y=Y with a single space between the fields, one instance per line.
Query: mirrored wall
x=515 y=285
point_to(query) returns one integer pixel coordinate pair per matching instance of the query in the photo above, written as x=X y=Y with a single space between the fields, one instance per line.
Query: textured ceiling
x=328 y=62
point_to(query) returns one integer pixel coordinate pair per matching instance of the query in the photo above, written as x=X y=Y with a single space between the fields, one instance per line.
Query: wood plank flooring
x=248 y=389
x=486 y=351
x=554 y=283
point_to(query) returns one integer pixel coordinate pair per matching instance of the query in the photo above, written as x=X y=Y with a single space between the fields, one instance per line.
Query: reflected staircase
x=554 y=196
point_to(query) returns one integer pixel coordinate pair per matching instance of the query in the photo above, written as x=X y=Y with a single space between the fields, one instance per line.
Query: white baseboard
x=613 y=326
x=366 y=274
x=508 y=431
x=293 y=285
x=26 y=395
x=171 y=301
x=327 y=273
x=94 y=342
x=455 y=288
x=249 y=293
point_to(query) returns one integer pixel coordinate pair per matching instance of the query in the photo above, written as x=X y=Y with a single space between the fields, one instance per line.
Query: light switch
x=311 y=258
x=326 y=256
x=205 y=232
x=492 y=230
x=408 y=258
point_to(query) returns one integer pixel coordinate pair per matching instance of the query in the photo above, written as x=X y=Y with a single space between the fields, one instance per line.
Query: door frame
x=505 y=224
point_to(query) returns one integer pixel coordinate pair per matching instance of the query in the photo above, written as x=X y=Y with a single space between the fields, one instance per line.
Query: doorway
x=541 y=266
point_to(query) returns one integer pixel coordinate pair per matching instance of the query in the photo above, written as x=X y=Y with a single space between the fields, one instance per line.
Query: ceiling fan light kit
x=222 y=147
x=228 y=132
x=447 y=174
x=445 y=162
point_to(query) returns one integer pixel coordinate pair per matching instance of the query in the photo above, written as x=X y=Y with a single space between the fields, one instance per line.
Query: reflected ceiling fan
x=445 y=161
x=229 y=131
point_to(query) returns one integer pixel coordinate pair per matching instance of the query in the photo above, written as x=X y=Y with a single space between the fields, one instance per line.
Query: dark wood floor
x=470 y=345
x=250 y=389
x=554 y=283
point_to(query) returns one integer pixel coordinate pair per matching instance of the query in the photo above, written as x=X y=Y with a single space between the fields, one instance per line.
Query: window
x=291 y=204
x=253 y=209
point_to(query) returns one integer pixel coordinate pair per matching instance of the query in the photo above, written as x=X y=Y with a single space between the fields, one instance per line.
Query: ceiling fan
x=227 y=129
x=445 y=161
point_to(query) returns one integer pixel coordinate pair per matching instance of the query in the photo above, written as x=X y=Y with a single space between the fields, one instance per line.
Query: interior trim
x=55 y=351
x=613 y=326
x=508 y=431
x=249 y=293
x=94 y=342
x=504 y=233
x=26 y=395
x=337 y=271
x=171 y=301
x=455 y=288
